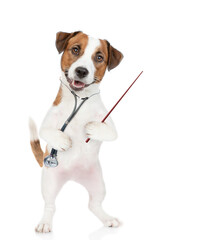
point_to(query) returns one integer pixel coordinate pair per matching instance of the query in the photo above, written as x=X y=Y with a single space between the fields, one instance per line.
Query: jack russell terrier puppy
x=83 y=64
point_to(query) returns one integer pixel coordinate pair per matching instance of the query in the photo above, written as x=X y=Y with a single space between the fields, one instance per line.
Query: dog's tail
x=35 y=143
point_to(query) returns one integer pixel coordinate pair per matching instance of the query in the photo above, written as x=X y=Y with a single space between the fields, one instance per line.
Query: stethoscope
x=51 y=159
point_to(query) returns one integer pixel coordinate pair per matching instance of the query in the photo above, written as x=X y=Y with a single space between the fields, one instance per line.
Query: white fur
x=77 y=159
x=100 y=131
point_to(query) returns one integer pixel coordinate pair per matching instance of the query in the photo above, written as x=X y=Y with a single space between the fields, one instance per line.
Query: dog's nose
x=81 y=72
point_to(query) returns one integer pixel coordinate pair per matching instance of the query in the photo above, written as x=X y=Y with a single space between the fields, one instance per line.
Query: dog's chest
x=89 y=111
x=80 y=150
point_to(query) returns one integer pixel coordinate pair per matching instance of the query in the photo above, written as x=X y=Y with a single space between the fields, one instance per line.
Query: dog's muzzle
x=78 y=85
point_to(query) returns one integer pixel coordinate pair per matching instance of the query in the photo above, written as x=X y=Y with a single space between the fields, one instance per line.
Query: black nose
x=81 y=72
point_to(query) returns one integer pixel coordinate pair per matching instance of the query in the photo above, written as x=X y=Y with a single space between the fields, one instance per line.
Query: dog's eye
x=99 y=58
x=75 y=50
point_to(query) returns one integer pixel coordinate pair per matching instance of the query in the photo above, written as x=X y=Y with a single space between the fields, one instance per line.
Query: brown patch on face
x=58 y=97
x=80 y=41
x=100 y=66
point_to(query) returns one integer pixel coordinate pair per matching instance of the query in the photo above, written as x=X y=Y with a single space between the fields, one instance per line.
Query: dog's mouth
x=76 y=84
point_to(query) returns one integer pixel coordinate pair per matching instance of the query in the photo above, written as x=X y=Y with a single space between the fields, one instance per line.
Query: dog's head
x=85 y=59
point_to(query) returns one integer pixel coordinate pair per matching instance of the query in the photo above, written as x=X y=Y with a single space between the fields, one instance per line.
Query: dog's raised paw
x=94 y=130
x=113 y=222
x=61 y=141
x=43 y=228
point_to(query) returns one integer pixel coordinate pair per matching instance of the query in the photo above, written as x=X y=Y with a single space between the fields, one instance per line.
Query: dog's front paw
x=94 y=130
x=61 y=141
x=43 y=228
x=100 y=131
x=112 y=222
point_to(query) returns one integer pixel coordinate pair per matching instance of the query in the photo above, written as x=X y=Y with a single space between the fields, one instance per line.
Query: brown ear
x=114 y=57
x=62 y=39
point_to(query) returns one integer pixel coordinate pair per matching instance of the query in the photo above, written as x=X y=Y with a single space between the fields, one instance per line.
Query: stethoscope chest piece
x=51 y=161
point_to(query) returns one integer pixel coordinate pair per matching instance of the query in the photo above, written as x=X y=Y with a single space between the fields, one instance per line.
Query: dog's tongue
x=78 y=84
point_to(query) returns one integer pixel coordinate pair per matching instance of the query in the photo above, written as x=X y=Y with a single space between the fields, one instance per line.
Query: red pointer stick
x=88 y=139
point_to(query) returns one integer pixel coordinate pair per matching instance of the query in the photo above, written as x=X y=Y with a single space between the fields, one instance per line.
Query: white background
x=154 y=172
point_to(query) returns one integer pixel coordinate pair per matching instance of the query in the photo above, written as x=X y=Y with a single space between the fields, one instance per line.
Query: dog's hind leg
x=52 y=182
x=93 y=182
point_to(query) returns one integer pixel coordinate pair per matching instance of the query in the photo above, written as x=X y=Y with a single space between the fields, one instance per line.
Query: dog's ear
x=62 y=39
x=114 y=57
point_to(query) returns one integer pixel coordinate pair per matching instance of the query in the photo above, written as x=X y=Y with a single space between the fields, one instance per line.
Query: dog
x=83 y=64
